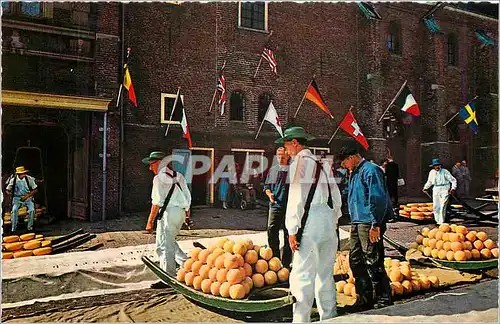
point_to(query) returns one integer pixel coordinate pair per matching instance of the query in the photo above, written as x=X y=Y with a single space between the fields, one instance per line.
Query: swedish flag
x=468 y=114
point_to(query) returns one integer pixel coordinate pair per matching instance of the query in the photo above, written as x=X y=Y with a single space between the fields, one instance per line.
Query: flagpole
x=212 y=102
x=393 y=99
x=258 y=66
x=260 y=127
x=335 y=133
x=451 y=118
x=304 y=97
x=173 y=109
x=457 y=113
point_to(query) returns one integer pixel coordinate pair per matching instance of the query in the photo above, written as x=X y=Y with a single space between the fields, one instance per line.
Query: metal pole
x=393 y=99
x=122 y=119
x=104 y=166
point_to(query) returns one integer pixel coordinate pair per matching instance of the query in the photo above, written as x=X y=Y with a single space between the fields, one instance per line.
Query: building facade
x=355 y=61
x=60 y=64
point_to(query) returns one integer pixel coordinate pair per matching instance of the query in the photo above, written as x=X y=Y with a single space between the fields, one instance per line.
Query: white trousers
x=167 y=248
x=312 y=268
x=439 y=201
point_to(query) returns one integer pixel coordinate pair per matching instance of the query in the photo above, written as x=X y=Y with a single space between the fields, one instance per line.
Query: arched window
x=394 y=38
x=264 y=101
x=237 y=105
x=452 y=50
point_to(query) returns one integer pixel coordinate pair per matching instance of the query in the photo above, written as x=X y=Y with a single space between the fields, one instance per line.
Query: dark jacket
x=392 y=174
x=368 y=199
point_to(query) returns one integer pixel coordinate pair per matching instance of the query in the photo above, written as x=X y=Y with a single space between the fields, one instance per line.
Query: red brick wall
x=185 y=45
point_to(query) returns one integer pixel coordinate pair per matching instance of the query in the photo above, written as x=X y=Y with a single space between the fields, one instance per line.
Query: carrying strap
x=310 y=197
x=169 y=195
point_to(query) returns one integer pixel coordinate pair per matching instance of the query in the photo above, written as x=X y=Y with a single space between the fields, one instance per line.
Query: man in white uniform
x=21 y=187
x=441 y=180
x=315 y=247
x=172 y=185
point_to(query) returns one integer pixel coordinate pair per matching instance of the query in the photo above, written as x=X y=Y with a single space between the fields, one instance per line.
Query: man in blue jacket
x=369 y=208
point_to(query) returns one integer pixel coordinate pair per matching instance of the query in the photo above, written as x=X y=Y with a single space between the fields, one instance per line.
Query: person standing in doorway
x=21 y=188
x=392 y=176
x=313 y=240
x=276 y=189
x=443 y=184
x=466 y=179
x=170 y=202
x=457 y=173
x=370 y=209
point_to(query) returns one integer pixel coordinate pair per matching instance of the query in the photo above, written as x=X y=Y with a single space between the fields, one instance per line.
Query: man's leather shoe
x=159 y=285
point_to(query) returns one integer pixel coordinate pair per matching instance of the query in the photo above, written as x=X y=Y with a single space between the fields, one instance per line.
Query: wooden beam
x=53 y=101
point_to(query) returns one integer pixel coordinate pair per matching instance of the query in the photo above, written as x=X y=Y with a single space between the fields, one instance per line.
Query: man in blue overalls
x=22 y=188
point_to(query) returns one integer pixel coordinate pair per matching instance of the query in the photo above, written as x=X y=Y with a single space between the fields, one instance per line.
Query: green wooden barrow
x=457 y=265
x=259 y=300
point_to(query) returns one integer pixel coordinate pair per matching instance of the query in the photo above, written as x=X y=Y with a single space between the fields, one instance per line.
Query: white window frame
x=266 y=18
x=165 y=119
x=315 y=149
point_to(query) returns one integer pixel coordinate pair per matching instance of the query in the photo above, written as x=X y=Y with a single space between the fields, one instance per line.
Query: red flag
x=221 y=89
x=312 y=94
x=268 y=55
x=184 y=124
x=350 y=125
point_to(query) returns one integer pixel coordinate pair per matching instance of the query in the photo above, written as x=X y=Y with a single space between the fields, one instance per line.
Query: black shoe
x=362 y=304
x=380 y=305
x=199 y=245
x=159 y=285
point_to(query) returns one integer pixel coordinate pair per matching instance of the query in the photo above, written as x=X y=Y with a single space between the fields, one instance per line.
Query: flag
x=484 y=37
x=369 y=10
x=268 y=55
x=184 y=124
x=127 y=84
x=468 y=114
x=350 y=125
x=406 y=101
x=312 y=93
x=273 y=118
x=221 y=89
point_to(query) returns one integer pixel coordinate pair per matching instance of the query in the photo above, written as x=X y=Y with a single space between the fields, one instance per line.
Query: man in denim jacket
x=369 y=208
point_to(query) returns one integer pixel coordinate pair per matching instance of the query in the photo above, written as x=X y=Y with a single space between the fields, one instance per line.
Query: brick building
x=60 y=66
x=356 y=61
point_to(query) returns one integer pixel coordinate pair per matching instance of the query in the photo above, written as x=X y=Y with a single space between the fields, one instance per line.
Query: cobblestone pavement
x=128 y=230
x=213 y=222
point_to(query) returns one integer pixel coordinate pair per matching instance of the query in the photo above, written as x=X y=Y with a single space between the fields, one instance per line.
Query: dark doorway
x=200 y=186
x=53 y=144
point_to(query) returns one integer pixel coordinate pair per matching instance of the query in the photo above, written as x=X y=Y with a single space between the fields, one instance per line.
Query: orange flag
x=312 y=94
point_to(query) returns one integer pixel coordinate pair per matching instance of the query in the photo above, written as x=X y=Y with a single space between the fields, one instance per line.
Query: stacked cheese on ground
x=25 y=245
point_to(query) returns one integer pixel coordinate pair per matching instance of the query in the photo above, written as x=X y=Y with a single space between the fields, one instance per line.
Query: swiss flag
x=350 y=125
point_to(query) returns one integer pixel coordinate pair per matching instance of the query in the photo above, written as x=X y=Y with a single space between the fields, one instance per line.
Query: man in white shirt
x=441 y=180
x=311 y=224
x=172 y=185
x=22 y=187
